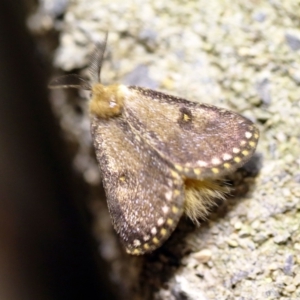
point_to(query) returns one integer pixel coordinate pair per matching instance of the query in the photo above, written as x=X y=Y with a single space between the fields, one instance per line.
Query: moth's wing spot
x=248 y=135
x=170 y=222
x=165 y=209
x=185 y=118
x=169 y=195
x=215 y=170
x=227 y=156
x=202 y=163
x=227 y=166
x=256 y=134
x=163 y=232
x=243 y=143
x=252 y=144
x=186 y=170
x=122 y=178
x=197 y=172
x=134 y=251
x=237 y=159
x=216 y=161
x=146 y=238
x=137 y=243
x=153 y=231
x=155 y=240
x=160 y=221
x=178 y=168
x=146 y=246
x=175 y=209
x=236 y=150
x=245 y=152
x=175 y=174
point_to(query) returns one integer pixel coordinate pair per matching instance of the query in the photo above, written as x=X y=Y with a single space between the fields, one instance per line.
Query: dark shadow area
x=46 y=250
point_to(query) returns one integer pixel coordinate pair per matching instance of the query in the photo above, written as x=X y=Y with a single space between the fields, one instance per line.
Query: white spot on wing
x=236 y=150
x=160 y=221
x=215 y=161
x=165 y=209
x=248 y=134
x=227 y=156
x=201 y=163
x=136 y=243
x=168 y=195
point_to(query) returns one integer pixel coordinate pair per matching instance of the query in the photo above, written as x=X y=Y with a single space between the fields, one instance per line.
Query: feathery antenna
x=78 y=82
x=97 y=60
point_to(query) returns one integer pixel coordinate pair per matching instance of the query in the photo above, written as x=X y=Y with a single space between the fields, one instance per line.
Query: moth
x=159 y=155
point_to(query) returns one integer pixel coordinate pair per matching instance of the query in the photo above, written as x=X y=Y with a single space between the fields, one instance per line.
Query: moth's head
x=106 y=101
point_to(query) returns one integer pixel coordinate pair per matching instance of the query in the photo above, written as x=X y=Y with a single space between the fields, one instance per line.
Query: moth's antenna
x=96 y=61
x=70 y=81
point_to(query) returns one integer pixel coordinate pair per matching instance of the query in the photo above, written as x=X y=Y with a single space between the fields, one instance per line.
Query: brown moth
x=159 y=155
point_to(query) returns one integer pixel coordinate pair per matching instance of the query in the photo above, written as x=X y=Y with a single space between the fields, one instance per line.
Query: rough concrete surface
x=241 y=55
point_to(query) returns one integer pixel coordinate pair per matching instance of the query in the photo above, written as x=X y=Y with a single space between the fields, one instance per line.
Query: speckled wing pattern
x=198 y=140
x=148 y=143
x=144 y=195
x=147 y=152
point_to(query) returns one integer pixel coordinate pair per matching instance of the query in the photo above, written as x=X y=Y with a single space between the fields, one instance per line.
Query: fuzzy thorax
x=200 y=196
x=107 y=101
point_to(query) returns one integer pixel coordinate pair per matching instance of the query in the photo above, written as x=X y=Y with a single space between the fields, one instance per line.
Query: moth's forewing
x=198 y=140
x=145 y=197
